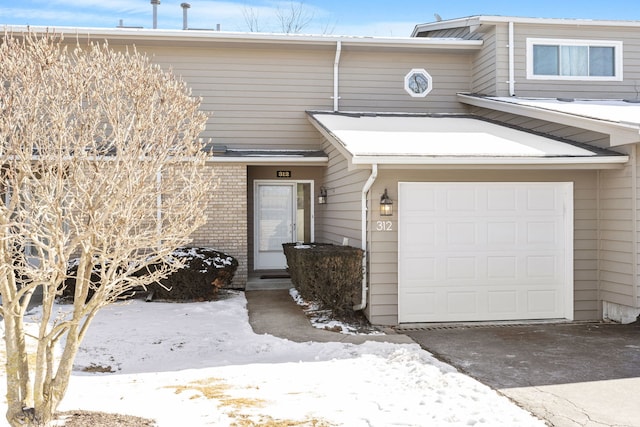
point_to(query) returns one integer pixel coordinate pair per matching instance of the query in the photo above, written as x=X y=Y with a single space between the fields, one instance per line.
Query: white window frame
x=616 y=45
x=422 y=72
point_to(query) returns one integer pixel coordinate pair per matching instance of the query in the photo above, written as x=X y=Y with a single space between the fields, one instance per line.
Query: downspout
x=634 y=226
x=512 y=77
x=336 y=69
x=365 y=193
x=599 y=243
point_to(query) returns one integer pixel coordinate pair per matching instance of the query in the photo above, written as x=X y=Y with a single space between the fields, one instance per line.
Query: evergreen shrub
x=205 y=271
x=328 y=274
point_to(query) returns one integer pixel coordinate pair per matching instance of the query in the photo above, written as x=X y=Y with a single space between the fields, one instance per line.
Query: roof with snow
x=423 y=139
x=620 y=119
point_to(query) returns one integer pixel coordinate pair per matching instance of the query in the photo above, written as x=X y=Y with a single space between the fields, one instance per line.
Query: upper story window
x=418 y=82
x=553 y=59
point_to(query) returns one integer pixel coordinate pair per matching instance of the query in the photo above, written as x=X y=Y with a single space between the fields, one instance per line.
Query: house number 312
x=384 y=226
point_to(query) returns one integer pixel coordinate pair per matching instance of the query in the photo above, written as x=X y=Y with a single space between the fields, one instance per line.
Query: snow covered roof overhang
x=450 y=141
x=617 y=118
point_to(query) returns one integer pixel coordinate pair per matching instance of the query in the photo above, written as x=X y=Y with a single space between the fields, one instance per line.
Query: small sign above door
x=283 y=174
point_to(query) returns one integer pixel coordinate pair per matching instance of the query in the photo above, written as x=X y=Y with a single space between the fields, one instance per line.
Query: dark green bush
x=328 y=274
x=205 y=272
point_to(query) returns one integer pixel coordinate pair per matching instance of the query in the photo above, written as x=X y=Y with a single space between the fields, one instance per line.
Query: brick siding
x=226 y=227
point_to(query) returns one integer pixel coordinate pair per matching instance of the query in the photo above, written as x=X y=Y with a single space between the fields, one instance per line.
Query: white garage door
x=485 y=251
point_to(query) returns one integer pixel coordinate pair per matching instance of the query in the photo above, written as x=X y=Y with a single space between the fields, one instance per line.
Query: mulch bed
x=102 y=419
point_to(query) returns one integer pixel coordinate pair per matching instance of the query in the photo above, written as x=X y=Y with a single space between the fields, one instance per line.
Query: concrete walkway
x=275 y=313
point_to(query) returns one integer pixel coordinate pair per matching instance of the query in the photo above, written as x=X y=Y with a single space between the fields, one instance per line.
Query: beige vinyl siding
x=374 y=81
x=617 y=240
x=257 y=97
x=384 y=253
x=484 y=66
x=341 y=217
x=578 y=89
x=502 y=61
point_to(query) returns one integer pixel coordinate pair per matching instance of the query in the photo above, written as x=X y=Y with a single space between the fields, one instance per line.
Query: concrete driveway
x=570 y=374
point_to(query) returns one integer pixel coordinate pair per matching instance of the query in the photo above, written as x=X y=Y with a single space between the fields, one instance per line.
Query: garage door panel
x=422 y=234
x=541 y=266
x=463 y=303
x=493 y=251
x=461 y=233
x=422 y=269
x=461 y=268
x=502 y=267
x=449 y=305
x=545 y=232
x=502 y=233
x=502 y=302
x=461 y=199
x=502 y=199
x=542 y=199
x=423 y=199
x=542 y=302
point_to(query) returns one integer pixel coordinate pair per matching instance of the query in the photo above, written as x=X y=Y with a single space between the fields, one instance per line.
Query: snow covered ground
x=200 y=364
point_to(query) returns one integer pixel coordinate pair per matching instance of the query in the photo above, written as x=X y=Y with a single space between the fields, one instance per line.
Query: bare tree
x=99 y=162
x=291 y=18
x=294 y=17
x=252 y=19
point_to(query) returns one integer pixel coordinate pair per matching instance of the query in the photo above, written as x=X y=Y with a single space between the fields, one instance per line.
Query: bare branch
x=99 y=156
x=251 y=19
x=294 y=18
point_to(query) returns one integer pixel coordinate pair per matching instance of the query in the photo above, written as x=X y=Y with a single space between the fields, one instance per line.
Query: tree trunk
x=18 y=384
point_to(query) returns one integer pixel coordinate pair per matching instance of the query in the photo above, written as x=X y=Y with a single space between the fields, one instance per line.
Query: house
x=487 y=164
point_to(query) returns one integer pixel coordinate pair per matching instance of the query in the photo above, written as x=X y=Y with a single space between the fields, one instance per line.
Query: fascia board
x=620 y=133
x=494 y=19
x=267 y=160
x=471 y=21
x=477 y=21
x=333 y=140
x=595 y=162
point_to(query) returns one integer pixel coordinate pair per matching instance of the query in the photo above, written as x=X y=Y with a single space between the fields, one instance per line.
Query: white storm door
x=485 y=251
x=274 y=223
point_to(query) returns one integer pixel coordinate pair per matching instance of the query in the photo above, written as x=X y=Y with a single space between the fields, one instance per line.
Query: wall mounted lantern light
x=322 y=198
x=386 y=204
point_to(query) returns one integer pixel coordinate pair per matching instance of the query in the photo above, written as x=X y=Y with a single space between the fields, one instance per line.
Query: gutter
x=208 y=36
x=365 y=193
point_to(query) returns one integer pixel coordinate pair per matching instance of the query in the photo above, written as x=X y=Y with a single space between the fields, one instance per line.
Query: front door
x=282 y=215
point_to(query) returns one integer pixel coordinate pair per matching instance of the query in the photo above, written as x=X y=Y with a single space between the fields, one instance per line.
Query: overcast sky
x=338 y=17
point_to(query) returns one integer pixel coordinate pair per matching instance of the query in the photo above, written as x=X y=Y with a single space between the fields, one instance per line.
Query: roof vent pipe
x=155 y=4
x=185 y=7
